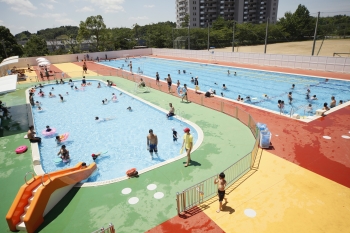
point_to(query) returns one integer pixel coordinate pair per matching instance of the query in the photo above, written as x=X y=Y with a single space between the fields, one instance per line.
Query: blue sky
x=33 y=15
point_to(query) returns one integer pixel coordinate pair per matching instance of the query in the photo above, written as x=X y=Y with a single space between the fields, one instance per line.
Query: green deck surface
x=226 y=140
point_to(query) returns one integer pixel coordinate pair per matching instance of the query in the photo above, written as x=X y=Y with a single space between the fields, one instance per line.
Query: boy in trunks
x=221 y=189
x=152 y=142
x=169 y=81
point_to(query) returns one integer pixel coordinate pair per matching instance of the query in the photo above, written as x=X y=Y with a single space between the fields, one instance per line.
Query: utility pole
x=172 y=36
x=315 y=35
x=208 y=33
x=266 y=33
x=3 y=45
x=233 y=36
x=188 y=37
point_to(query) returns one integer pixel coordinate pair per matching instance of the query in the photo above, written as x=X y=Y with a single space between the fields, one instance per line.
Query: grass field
x=298 y=48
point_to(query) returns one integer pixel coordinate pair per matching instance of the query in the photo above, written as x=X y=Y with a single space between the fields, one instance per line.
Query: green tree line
x=94 y=34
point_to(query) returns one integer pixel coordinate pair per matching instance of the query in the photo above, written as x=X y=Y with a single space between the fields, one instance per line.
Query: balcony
x=202 y=17
x=221 y=12
x=263 y=8
x=222 y=7
x=245 y=7
x=202 y=7
x=245 y=13
x=245 y=17
x=202 y=23
x=202 y=1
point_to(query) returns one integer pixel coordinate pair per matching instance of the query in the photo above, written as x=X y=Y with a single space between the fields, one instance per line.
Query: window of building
x=273 y=13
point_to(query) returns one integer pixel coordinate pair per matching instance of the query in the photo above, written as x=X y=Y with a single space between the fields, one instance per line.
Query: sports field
x=298 y=48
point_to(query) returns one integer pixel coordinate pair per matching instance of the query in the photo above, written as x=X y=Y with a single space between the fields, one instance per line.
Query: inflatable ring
x=181 y=91
x=41 y=94
x=64 y=137
x=21 y=149
x=131 y=172
x=52 y=132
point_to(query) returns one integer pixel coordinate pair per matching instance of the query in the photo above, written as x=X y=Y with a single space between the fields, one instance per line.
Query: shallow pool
x=124 y=137
x=252 y=83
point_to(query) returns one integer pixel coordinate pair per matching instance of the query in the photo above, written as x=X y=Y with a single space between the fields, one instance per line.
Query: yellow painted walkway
x=286 y=198
x=74 y=70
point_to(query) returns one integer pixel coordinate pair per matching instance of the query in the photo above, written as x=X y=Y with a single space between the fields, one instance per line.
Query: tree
x=186 y=21
x=93 y=29
x=36 y=46
x=8 y=41
x=298 y=24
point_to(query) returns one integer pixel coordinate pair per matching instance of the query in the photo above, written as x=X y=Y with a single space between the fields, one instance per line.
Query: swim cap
x=93 y=155
x=186 y=130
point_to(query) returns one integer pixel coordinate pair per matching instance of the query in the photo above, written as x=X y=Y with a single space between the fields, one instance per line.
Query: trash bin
x=265 y=139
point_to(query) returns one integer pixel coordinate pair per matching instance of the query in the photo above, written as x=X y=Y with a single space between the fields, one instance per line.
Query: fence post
x=236 y=112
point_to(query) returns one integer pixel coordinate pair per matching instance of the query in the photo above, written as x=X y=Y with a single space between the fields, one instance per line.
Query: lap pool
x=252 y=83
x=124 y=137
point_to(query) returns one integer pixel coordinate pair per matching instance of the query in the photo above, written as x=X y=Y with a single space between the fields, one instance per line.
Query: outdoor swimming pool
x=252 y=83
x=124 y=137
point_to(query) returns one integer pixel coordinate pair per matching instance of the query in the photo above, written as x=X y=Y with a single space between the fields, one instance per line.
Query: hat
x=93 y=155
x=186 y=130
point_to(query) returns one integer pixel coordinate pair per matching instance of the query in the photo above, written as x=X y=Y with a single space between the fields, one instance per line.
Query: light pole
x=315 y=35
x=3 y=45
x=208 y=33
x=233 y=36
x=188 y=37
x=267 y=30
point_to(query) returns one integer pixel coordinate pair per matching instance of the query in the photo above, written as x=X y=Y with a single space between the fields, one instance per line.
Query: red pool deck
x=295 y=141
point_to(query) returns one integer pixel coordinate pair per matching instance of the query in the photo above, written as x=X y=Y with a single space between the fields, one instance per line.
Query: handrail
x=291 y=110
x=43 y=177
x=25 y=177
x=206 y=189
x=109 y=229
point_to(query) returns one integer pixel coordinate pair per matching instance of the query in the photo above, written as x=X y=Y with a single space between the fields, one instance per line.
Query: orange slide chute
x=46 y=185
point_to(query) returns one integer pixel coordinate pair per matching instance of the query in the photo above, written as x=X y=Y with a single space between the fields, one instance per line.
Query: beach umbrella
x=44 y=63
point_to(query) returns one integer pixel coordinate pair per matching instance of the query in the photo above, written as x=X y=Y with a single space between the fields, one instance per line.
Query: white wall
x=73 y=57
x=336 y=64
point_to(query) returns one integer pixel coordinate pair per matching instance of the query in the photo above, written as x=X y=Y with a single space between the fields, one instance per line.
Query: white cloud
x=53 y=1
x=20 y=4
x=109 y=5
x=24 y=7
x=138 y=18
x=148 y=6
x=53 y=16
x=49 y=6
x=66 y=21
x=85 y=9
x=1 y=22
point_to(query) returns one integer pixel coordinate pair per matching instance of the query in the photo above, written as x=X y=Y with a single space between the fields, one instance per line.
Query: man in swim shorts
x=169 y=81
x=31 y=135
x=171 y=111
x=221 y=189
x=64 y=153
x=152 y=142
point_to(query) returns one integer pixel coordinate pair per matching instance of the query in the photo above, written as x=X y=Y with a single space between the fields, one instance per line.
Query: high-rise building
x=202 y=12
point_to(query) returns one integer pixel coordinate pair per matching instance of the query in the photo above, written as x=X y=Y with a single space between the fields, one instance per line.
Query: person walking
x=157 y=79
x=196 y=87
x=188 y=144
x=84 y=68
x=169 y=81
x=184 y=90
x=221 y=182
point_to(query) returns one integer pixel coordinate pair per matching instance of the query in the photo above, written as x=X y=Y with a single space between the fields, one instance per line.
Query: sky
x=34 y=15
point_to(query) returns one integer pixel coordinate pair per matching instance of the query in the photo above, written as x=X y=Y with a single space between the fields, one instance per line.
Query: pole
x=208 y=33
x=3 y=45
x=172 y=36
x=188 y=37
x=233 y=36
x=313 y=46
x=266 y=33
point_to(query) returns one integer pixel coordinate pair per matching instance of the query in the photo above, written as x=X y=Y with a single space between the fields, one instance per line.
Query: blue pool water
x=252 y=83
x=124 y=137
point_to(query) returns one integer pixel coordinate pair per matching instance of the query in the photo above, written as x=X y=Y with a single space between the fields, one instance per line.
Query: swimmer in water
x=94 y=156
x=99 y=85
x=224 y=87
x=102 y=119
x=67 y=93
x=48 y=129
x=76 y=88
x=129 y=108
x=52 y=88
x=51 y=95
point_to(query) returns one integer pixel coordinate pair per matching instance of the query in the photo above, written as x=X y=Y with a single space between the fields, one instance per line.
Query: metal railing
x=109 y=229
x=206 y=189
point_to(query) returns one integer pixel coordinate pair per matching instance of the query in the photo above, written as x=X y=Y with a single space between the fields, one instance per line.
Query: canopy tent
x=5 y=64
x=8 y=83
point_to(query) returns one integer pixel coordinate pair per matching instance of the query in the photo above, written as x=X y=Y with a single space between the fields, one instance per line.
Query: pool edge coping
x=36 y=155
x=305 y=119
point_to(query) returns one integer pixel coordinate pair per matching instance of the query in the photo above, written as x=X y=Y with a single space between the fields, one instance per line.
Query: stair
x=21 y=226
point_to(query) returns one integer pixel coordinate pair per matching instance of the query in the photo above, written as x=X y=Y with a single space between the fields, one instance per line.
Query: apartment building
x=202 y=12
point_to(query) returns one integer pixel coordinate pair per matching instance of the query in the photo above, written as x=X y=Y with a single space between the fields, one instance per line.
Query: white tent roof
x=8 y=61
x=8 y=83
